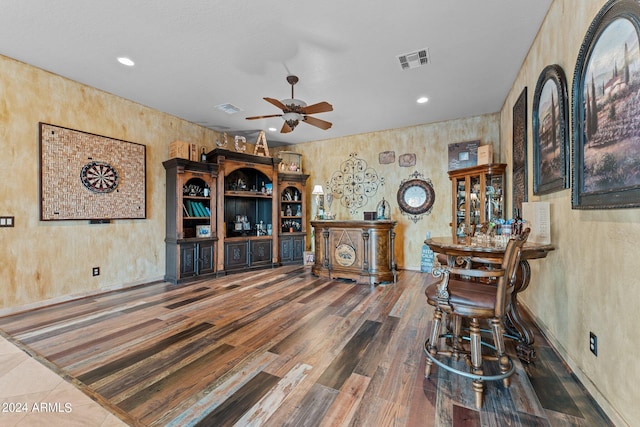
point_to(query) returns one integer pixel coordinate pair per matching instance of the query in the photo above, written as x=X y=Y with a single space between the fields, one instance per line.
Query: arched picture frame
x=550 y=132
x=606 y=111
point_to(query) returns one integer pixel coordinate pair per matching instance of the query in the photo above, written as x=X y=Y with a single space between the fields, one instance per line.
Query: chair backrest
x=510 y=263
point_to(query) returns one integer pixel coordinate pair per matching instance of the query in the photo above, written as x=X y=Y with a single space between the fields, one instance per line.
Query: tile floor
x=32 y=395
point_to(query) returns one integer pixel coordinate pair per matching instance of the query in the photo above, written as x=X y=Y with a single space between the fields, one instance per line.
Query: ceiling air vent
x=228 y=108
x=414 y=59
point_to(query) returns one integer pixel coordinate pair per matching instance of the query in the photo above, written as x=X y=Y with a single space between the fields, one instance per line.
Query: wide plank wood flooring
x=281 y=347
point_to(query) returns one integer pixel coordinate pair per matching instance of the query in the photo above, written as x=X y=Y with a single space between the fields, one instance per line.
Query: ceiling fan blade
x=320 y=107
x=285 y=128
x=277 y=103
x=322 y=124
x=264 y=117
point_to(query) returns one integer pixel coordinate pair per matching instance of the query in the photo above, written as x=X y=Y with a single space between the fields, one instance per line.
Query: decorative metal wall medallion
x=355 y=183
x=416 y=196
x=99 y=177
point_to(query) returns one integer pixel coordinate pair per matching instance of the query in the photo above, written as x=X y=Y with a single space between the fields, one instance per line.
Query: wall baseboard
x=71 y=297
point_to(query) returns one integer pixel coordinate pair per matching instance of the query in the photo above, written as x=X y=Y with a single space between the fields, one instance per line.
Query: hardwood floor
x=281 y=348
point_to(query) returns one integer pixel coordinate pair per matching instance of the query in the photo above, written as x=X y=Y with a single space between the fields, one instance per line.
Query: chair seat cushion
x=468 y=298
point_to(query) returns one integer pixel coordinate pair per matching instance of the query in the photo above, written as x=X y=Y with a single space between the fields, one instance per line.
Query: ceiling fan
x=295 y=111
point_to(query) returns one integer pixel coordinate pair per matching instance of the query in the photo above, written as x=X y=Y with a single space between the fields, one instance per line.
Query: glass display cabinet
x=478 y=196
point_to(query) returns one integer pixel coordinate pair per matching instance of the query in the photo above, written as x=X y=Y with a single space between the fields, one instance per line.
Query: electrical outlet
x=96 y=271
x=593 y=343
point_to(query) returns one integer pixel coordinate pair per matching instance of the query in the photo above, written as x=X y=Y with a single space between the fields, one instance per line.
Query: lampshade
x=317 y=189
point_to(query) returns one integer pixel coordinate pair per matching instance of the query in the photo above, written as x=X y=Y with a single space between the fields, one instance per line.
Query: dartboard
x=99 y=177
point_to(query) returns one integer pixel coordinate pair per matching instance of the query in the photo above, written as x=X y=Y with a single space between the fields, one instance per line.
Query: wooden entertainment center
x=234 y=212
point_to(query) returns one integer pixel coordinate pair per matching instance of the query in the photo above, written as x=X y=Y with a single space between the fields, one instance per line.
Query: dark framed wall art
x=606 y=111
x=90 y=177
x=550 y=132
x=519 y=164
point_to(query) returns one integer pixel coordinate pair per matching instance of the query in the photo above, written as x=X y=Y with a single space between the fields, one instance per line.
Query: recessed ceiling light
x=422 y=100
x=126 y=61
x=273 y=129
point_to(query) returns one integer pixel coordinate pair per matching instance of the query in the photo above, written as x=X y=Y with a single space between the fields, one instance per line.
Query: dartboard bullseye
x=99 y=177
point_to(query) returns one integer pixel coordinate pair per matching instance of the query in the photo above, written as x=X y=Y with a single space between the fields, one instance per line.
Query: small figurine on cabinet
x=382 y=211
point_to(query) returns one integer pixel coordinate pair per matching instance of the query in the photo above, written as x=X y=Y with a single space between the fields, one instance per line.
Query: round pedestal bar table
x=459 y=250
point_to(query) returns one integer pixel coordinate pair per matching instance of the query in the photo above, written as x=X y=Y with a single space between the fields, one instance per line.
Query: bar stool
x=461 y=293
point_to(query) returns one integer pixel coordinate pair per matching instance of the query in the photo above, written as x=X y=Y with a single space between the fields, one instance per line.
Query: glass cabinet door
x=460 y=201
x=475 y=198
x=495 y=198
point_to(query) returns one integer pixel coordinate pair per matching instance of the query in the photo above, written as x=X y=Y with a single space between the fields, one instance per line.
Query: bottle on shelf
x=517 y=222
x=203 y=156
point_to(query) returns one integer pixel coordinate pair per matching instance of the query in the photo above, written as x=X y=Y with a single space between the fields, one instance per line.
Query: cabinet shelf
x=251 y=194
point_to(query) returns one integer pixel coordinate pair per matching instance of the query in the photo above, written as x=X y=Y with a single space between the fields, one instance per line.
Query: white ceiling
x=193 y=55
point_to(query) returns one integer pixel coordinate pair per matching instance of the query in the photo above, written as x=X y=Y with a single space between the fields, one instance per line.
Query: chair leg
x=501 y=354
x=476 y=360
x=432 y=348
x=456 y=340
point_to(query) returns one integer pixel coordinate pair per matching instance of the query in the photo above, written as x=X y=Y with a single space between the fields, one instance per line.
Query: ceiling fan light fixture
x=292 y=119
x=294 y=104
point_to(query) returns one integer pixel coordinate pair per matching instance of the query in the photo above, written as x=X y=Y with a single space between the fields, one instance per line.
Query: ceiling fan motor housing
x=295 y=110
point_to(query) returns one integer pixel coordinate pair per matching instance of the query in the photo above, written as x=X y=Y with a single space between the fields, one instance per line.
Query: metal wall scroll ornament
x=416 y=196
x=355 y=183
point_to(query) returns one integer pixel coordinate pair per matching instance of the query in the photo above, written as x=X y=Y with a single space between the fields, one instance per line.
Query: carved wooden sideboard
x=358 y=250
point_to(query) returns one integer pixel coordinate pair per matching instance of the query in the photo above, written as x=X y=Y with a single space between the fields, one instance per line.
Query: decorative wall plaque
x=407 y=160
x=387 y=157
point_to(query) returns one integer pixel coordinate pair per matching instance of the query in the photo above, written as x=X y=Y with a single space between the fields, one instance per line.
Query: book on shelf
x=189 y=207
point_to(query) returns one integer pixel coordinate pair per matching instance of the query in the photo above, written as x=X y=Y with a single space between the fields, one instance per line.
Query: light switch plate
x=6 y=221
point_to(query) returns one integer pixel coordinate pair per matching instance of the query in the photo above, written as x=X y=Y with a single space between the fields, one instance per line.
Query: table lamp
x=317 y=191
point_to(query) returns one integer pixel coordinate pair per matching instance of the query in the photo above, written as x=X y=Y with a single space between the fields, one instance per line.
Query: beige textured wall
x=52 y=260
x=430 y=145
x=590 y=283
